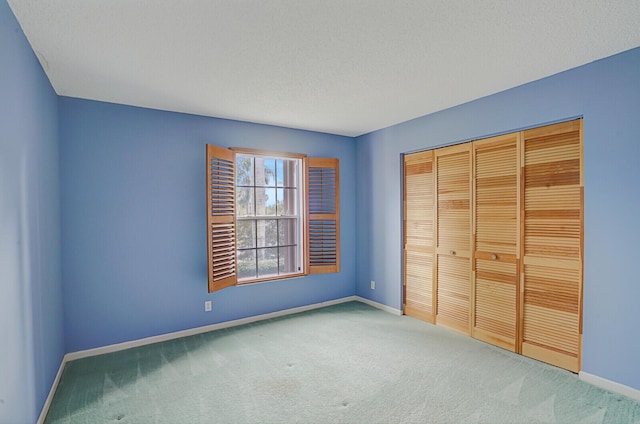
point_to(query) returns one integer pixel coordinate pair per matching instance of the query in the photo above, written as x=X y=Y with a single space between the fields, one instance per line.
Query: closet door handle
x=452 y=252
x=494 y=256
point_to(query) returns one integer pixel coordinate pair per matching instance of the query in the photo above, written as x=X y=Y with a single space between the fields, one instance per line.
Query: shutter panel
x=221 y=218
x=553 y=244
x=418 y=236
x=453 y=235
x=497 y=241
x=323 y=215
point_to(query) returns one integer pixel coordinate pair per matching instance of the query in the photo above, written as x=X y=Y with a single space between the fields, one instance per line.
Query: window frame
x=301 y=216
x=319 y=215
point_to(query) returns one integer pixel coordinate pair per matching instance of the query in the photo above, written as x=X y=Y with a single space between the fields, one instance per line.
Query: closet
x=493 y=240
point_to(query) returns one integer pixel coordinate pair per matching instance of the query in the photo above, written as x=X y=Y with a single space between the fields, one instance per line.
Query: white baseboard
x=385 y=308
x=198 y=330
x=52 y=391
x=227 y=324
x=612 y=386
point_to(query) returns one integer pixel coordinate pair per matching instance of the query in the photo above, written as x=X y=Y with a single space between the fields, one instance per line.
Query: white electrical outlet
x=373 y=285
x=207 y=306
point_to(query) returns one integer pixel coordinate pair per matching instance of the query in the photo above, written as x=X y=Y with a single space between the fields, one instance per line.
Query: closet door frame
x=519 y=258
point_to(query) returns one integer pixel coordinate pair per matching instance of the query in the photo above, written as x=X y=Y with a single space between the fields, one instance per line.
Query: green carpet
x=348 y=363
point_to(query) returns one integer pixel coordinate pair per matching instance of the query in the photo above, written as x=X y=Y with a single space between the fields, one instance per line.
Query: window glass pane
x=280 y=172
x=246 y=234
x=267 y=261
x=287 y=202
x=246 y=264
x=270 y=172
x=244 y=170
x=265 y=172
x=267 y=187
x=245 y=205
x=267 y=232
x=287 y=232
x=287 y=260
x=265 y=201
x=288 y=176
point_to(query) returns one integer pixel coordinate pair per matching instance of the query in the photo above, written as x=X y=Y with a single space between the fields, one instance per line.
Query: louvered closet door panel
x=553 y=244
x=453 y=236
x=418 y=235
x=496 y=228
x=453 y=292
x=495 y=303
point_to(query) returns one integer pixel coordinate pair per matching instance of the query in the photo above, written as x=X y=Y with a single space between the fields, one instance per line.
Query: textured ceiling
x=338 y=66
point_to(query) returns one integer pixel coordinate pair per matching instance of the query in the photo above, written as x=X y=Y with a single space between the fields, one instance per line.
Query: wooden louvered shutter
x=496 y=240
x=453 y=237
x=418 y=236
x=323 y=215
x=221 y=218
x=553 y=244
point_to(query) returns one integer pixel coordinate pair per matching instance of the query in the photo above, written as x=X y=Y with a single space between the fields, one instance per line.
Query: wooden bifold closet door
x=418 y=236
x=494 y=240
x=497 y=240
x=553 y=244
x=453 y=236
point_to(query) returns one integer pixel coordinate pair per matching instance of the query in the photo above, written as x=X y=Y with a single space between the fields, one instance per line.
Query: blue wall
x=134 y=222
x=132 y=199
x=607 y=94
x=31 y=313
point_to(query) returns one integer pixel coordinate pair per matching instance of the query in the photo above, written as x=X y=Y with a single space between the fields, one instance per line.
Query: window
x=268 y=205
x=270 y=216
